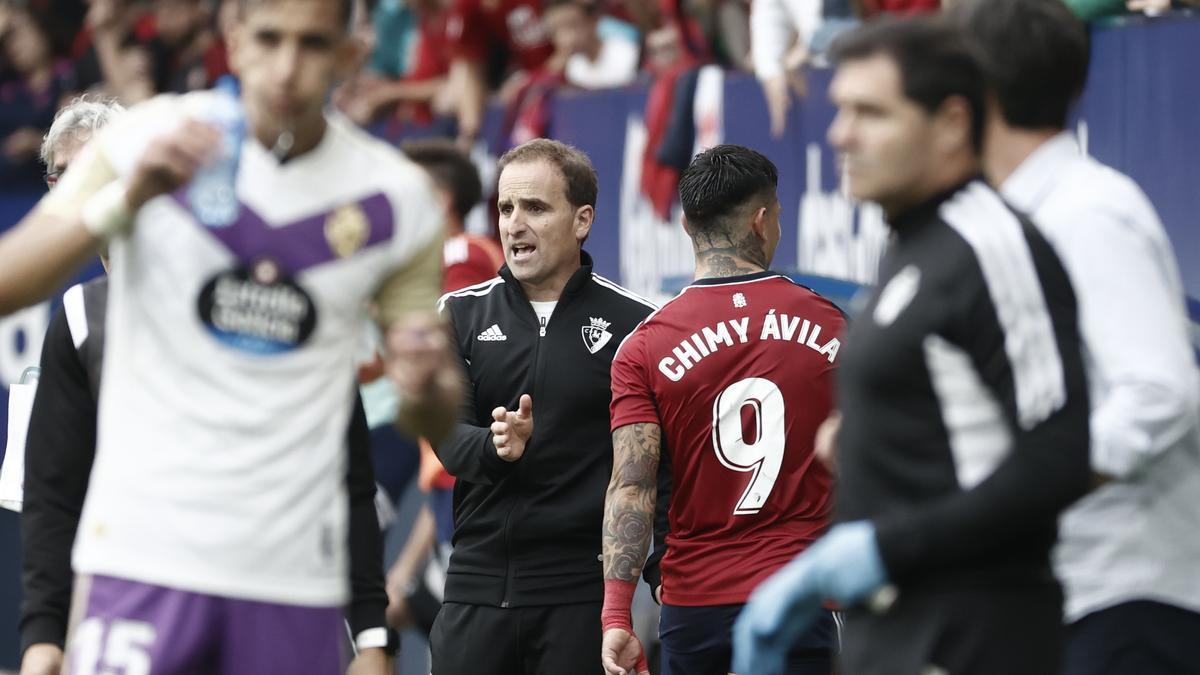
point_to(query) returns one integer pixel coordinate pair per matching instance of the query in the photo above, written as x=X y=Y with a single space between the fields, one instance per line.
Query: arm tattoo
x=629 y=504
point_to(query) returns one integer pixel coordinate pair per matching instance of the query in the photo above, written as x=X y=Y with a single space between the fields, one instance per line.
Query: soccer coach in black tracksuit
x=533 y=454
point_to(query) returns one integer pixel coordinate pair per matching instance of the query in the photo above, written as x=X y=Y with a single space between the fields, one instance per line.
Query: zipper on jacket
x=505 y=601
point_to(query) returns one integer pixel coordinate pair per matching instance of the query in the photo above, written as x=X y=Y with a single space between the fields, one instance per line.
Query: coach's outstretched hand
x=511 y=430
x=844 y=566
x=621 y=653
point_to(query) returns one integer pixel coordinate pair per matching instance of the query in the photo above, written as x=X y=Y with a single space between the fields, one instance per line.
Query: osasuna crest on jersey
x=596 y=335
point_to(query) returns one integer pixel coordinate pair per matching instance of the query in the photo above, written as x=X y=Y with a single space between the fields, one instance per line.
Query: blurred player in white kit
x=213 y=535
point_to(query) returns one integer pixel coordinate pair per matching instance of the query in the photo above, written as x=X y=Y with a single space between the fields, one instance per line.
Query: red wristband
x=618 y=599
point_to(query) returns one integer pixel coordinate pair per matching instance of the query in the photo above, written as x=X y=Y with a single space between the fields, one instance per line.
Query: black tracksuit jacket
x=528 y=532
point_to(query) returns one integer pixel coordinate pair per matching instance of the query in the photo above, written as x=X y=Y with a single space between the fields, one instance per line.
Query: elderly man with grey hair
x=49 y=516
x=73 y=126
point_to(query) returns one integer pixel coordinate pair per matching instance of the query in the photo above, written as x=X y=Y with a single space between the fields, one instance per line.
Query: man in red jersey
x=732 y=377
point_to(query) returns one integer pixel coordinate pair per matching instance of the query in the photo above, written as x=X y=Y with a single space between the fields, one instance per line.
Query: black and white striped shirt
x=963 y=396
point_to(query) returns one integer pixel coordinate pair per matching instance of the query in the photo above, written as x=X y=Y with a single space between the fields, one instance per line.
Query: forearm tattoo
x=629 y=504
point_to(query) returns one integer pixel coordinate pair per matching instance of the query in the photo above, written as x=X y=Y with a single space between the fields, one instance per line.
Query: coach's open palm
x=511 y=430
x=621 y=653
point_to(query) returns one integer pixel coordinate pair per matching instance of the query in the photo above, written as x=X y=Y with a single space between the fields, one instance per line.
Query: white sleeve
x=12 y=471
x=771 y=34
x=1136 y=337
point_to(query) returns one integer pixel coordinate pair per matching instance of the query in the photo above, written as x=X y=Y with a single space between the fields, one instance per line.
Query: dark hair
x=575 y=167
x=451 y=168
x=347 y=9
x=1035 y=54
x=935 y=58
x=722 y=180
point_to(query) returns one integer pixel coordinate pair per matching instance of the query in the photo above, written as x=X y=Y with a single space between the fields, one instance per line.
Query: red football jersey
x=474 y=25
x=469 y=260
x=739 y=373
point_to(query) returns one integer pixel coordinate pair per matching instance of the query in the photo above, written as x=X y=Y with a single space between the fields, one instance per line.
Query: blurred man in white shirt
x=1128 y=552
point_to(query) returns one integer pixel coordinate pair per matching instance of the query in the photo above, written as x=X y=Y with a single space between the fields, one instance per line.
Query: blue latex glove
x=843 y=566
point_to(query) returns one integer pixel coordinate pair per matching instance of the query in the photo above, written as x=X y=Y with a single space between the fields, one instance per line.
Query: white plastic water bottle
x=212 y=194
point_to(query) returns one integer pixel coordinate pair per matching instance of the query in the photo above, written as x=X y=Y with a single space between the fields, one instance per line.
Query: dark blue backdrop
x=1139 y=115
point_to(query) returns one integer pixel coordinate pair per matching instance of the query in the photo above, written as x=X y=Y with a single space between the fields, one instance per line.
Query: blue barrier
x=1138 y=114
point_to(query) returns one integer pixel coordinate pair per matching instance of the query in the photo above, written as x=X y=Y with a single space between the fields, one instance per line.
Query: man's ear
x=584 y=216
x=687 y=227
x=952 y=126
x=758 y=223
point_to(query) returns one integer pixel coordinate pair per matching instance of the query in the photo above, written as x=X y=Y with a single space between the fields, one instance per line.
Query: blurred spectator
x=726 y=27
x=409 y=66
x=589 y=59
x=868 y=8
x=35 y=84
x=682 y=15
x=1089 y=10
x=126 y=68
x=477 y=29
x=837 y=17
x=176 y=46
x=184 y=34
x=780 y=32
x=643 y=15
x=669 y=60
x=1156 y=7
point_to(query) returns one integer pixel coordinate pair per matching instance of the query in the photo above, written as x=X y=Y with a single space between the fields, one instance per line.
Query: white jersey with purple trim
x=228 y=376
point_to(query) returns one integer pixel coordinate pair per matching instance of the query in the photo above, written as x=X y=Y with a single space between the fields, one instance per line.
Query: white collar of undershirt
x=544 y=309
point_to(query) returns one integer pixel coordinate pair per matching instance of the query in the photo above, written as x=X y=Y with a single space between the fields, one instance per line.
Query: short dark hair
x=577 y=170
x=451 y=168
x=346 y=5
x=1035 y=55
x=722 y=180
x=935 y=58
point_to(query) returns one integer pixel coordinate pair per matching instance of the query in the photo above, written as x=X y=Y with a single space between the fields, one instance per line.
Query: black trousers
x=699 y=641
x=958 y=632
x=1135 y=638
x=547 y=640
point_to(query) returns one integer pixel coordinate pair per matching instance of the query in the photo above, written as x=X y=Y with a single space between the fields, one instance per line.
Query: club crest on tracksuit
x=596 y=335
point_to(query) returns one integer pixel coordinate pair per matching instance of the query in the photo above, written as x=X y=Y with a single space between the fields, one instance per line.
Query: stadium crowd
x=1019 y=370
x=431 y=62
